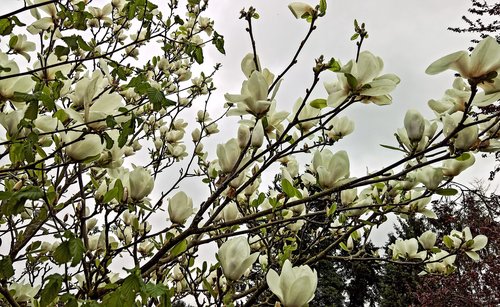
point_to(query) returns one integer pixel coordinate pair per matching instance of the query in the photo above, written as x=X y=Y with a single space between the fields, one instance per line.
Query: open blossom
x=330 y=167
x=484 y=60
x=235 y=257
x=362 y=78
x=464 y=240
x=441 y=262
x=407 y=249
x=427 y=240
x=295 y=287
x=23 y=84
x=253 y=98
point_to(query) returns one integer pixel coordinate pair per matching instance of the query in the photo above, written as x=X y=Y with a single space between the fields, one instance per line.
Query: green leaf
x=77 y=250
x=446 y=192
x=5 y=195
x=448 y=242
x=51 y=290
x=218 y=41
x=62 y=254
x=334 y=65
x=6 y=269
x=83 y=45
x=154 y=290
x=6 y=26
x=156 y=97
x=179 y=248
x=13 y=41
x=318 y=103
x=463 y=157
x=288 y=188
x=331 y=210
x=354 y=36
x=322 y=7
x=198 y=55
x=60 y=51
x=351 y=80
x=32 y=111
x=343 y=246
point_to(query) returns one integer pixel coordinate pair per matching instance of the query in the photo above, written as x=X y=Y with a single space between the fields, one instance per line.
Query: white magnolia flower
x=180 y=207
x=23 y=84
x=23 y=46
x=407 y=249
x=484 y=59
x=23 y=292
x=445 y=264
x=253 y=98
x=88 y=145
x=258 y=135
x=430 y=177
x=362 y=78
x=295 y=286
x=341 y=126
x=330 y=167
x=466 y=137
x=228 y=155
x=300 y=9
x=453 y=167
x=141 y=183
x=415 y=125
x=307 y=118
x=465 y=241
x=427 y=240
x=235 y=257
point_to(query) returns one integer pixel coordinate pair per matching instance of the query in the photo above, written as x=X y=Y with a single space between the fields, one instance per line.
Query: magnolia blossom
x=228 y=155
x=82 y=145
x=484 y=59
x=295 y=286
x=453 y=167
x=444 y=266
x=407 y=249
x=466 y=137
x=415 y=125
x=330 y=167
x=362 y=78
x=23 y=84
x=235 y=258
x=427 y=240
x=308 y=116
x=253 y=98
x=23 y=292
x=23 y=46
x=430 y=177
x=141 y=183
x=465 y=241
x=300 y=9
x=341 y=126
x=180 y=207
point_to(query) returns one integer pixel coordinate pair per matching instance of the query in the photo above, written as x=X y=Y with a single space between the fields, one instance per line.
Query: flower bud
x=258 y=135
x=141 y=183
x=180 y=208
x=415 y=125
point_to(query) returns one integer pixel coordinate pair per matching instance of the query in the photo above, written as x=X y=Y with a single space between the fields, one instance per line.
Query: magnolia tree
x=81 y=100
